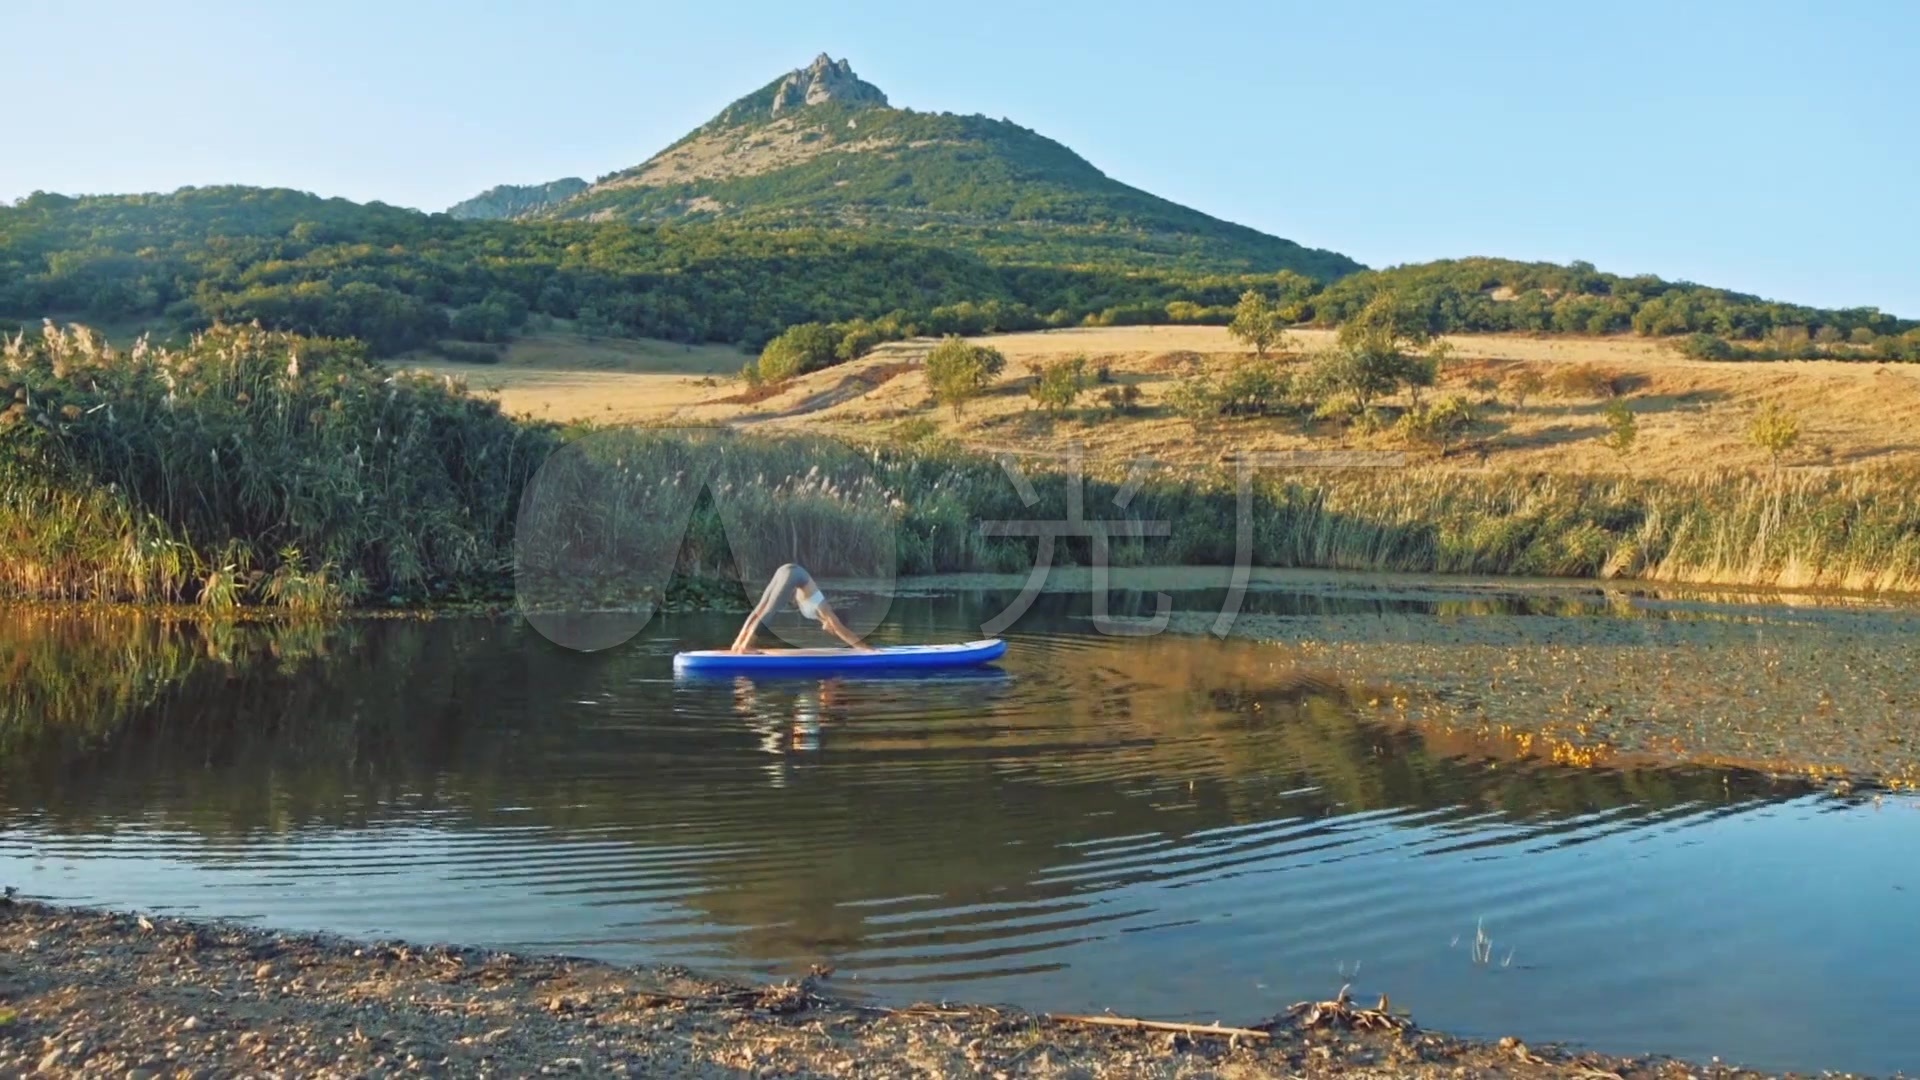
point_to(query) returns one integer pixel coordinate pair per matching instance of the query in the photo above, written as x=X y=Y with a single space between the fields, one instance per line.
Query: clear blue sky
x=1765 y=146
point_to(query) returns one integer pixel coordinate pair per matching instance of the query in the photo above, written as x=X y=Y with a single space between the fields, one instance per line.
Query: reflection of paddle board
x=891 y=657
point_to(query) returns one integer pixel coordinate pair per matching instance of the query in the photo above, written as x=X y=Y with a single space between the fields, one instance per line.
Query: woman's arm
x=839 y=629
x=751 y=627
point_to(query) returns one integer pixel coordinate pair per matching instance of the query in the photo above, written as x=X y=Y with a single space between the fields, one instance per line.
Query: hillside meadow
x=1690 y=414
x=250 y=467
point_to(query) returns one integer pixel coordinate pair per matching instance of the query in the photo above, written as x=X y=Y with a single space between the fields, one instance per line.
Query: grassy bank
x=246 y=467
x=251 y=467
x=846 y=510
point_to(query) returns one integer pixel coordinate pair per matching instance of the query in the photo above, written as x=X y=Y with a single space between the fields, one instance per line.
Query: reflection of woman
x=811 y=601
x=779 y=730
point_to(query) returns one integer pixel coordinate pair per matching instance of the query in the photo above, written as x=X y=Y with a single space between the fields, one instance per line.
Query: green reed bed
x=1854 y=530
x=749 y=503
x=259 y=468
x=246 y=467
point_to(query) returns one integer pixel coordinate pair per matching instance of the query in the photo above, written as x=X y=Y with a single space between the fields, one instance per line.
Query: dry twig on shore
x=1342 y=1013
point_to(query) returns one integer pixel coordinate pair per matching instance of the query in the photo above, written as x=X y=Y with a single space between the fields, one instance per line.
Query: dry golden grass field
x=1691 y=414
x=562 y=376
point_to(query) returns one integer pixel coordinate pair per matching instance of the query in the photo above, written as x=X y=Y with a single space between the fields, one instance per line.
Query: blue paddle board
x=890 y=657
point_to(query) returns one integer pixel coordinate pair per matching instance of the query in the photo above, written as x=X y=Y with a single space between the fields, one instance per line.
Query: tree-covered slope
x=400 y=279
x=1485 y=294
x=516 y=200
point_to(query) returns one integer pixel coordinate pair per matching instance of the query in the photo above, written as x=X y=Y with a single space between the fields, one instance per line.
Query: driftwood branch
x=1160 y=1025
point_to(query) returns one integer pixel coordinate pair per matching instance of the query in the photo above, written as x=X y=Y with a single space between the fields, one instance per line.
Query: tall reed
x=840 y=508
x=252 y=467
x=246 y=466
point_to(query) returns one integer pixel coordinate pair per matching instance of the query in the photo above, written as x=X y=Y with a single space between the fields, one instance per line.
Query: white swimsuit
x=810 y=603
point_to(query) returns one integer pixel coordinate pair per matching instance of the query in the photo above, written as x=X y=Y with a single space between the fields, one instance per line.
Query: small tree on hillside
x=1424 y=371
x=1056 y=386
x=1524 y=384
x=1194 y=396
x=1622 y=428
x=1254 y=388
x=959 y=372
x=1387 y=323
x=1441 y=425
x=1256 y=322
x=1364 y=372
x=1774 y=430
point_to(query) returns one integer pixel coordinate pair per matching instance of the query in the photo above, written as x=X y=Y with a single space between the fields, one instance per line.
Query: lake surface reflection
x=1171 y=826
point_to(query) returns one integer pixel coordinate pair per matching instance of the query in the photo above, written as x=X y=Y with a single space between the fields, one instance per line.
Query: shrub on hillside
x=1705 y=346
x=467 y=352
x=1774 y=430
x=1791 y=343
x=1524 y=384
x=1058 y=384
x=798 y=350
x=1194 y=396
x=1121 y=400
x=1588 y=380
x=1623 y=428
x=1254 y=388
x=1441 y=424
x=959 y=371
x=1251 y=387
x=1361 y=374
x=857 y=340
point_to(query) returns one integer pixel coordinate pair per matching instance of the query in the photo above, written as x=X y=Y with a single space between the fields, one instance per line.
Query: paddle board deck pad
x=886 y=658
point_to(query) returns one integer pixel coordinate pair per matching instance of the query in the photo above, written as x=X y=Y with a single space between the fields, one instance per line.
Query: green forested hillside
x=399 y=279
x=516 y=200
x=1482 y=294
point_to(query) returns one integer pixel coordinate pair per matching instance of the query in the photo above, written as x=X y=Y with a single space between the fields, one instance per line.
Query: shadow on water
x=1044 y=832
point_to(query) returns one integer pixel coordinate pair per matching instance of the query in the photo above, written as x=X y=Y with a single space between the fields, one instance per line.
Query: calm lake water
x=1174 y=827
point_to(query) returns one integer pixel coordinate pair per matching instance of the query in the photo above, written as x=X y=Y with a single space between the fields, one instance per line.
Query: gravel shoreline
x=95 y=993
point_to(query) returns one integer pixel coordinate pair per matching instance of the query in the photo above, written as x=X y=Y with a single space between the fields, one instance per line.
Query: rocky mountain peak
x=826 y=79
